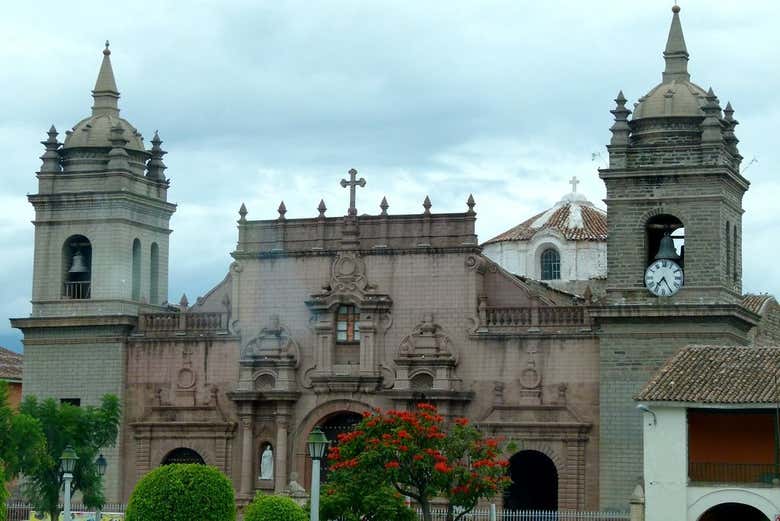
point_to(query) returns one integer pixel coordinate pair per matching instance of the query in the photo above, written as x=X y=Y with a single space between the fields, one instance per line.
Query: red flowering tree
x=421 y=457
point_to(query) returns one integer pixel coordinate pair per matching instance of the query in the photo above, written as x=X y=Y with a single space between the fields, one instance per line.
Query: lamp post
x=101 y=465
x=67 y=464
x=317 y=444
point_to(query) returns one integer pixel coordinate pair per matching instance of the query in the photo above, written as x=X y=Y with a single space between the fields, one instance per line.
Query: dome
x=677 y=97
x=574 y=217
x=95 y=131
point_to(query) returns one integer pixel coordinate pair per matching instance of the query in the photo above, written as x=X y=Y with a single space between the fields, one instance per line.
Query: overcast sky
x=263 y=101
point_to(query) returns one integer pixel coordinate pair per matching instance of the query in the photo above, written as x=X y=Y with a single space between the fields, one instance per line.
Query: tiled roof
x=575 y=219
x=10 y=365
x=756 y=303
x=717 y=374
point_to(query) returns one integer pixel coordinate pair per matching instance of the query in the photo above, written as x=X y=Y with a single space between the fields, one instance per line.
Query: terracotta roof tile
x=10 y=365
x=756 y=303
x=717 y=374
x=592 y=224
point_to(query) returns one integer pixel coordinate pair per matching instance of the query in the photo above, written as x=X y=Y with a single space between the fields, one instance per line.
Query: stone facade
x=320 y=319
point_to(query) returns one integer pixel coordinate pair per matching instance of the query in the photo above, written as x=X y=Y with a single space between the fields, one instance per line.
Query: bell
x=78 y=266
x=667 y=250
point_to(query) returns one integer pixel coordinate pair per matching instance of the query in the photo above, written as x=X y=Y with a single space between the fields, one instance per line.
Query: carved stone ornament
x=348 y=274
x=427 y=340
x=272 y=342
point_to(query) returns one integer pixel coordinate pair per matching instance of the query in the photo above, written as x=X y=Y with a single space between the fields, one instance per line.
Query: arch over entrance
x=729 y=511
x=333 y=425
x=182 y=455
x=534 y=483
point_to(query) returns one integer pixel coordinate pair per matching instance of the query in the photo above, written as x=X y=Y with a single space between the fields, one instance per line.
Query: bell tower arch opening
x=77 y=268
x=665 y=238
x=534 y=484
x=729 y=511
x=136 y=269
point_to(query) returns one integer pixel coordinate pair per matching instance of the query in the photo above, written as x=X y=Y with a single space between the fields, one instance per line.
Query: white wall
x=668 y=495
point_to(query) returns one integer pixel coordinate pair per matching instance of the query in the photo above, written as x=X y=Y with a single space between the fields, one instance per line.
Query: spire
x=676 y=53
x=105 y=93
x=156 y=167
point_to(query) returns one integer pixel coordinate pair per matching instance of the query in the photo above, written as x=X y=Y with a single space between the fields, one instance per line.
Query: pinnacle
x=242 y=211
x=52 y=130
x=620 y=97
x=282 y=210
x=322 y=208
x=427 y=204
x=676 y=52
x=105 y=92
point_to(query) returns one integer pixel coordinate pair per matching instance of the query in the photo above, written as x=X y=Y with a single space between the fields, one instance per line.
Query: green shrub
x=182 y=493
x=273 y=508
x=3 y=498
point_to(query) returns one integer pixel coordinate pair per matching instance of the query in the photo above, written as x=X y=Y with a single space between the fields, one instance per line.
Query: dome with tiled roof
x=574 y=217
x=565 y=246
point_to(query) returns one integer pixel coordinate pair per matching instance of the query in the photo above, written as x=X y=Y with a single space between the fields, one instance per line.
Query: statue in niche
x=267 y=463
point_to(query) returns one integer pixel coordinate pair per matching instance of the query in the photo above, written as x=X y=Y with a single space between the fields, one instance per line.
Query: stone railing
x=532 y=317
x=182 y=322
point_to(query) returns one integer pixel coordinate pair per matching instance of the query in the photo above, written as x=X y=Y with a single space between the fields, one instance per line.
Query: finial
x=621 y=99
x=51 y=158
x=105 y=92
x=676 y=53
x=675 y=8
x=427 y=204
x=282 y=210
x=574 y=182
x=155 y=168
x=242 y=213
x=470 y=203
x=384 y=206
x=183 y=302
x=322 y=208
x=620 y=130
x=729 y=112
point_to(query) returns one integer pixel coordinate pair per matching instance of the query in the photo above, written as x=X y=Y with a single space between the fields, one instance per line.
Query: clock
x=664 y=278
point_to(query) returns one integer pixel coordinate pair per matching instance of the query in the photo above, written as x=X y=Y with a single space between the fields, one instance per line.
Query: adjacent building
x=11 y=373
x=711 y=435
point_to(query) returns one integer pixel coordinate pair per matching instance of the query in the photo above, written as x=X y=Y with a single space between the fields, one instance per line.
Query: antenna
x=754 y=160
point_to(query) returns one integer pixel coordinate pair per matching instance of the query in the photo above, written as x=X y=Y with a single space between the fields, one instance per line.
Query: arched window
x=728 y=248
x=348 y=325
x=136 y=269
x=154 y=274
x=551 y=264
x=656 y=228
x=735 y=255
x=182 y=455
x=77 y=268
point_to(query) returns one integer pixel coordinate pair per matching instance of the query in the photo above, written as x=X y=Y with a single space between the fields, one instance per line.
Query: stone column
x=280 y=470
x=247 y=457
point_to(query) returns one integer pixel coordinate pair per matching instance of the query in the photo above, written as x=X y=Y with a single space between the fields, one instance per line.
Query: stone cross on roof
x=352 y=183
x=574 y=182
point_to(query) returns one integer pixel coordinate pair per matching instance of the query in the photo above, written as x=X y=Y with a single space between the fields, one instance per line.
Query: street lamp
x=317 y=444
x=101 y=465
x=67 y=464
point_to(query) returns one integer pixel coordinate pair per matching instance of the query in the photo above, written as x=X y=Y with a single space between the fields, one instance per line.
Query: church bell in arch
x=78 y=265
x=667 y=250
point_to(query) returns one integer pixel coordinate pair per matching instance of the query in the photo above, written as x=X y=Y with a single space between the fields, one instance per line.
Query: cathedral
x=541 y=336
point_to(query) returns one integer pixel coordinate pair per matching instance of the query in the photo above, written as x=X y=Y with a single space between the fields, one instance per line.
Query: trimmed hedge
x=182 y=492
x=273 y=508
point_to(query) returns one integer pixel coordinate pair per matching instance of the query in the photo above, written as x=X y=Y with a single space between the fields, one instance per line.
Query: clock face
x=664 y=278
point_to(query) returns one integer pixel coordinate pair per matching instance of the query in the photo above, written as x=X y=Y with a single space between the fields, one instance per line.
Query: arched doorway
x=733 y=511
x=182 y=455
x=332 y=426
x=534 y=482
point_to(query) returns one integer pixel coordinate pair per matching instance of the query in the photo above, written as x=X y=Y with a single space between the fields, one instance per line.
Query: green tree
x=87 y=430
x=421 y=457
x=273 y=508
x=22 y=444
x=350 y=497
x=182 y=492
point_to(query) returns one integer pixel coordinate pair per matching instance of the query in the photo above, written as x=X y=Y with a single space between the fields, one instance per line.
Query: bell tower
x=101 y=253
x=674 y=214
x=674 y=172
x=101 y=214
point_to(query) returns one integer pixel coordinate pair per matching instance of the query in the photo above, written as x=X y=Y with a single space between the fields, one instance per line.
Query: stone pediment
x=427 y=342
x=272 y=343
x=549 y=416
